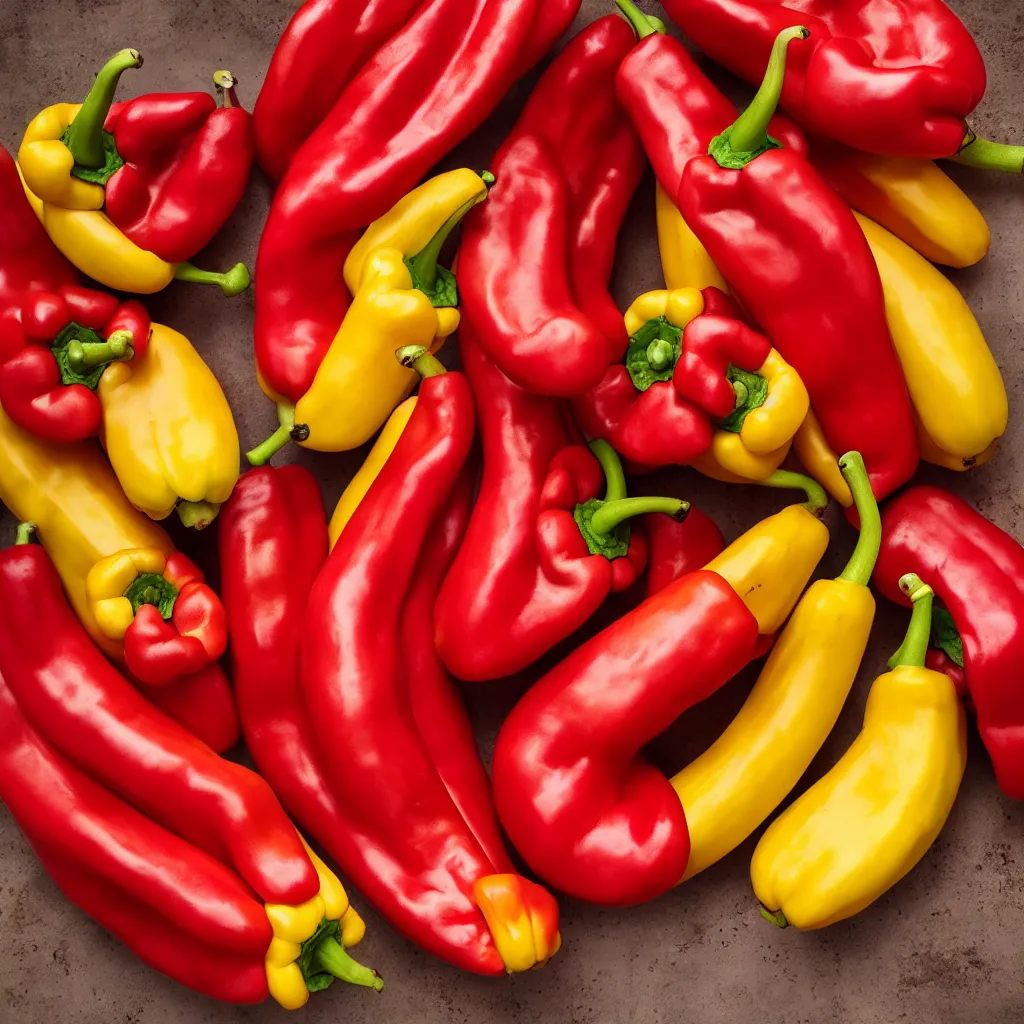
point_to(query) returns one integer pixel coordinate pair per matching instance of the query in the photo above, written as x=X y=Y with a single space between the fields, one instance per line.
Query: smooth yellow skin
x=685 y=262
x=679 y=306
x=167 y=427
x=945 y=358
x=861 y=828
x=360 y=381
x=815 y=455
x=81 y=514
x=110 y=577
x=931 y=452
x=769 y=566
x=751 y=768
x=412 y=222
x=47 y=163
x=370 y=469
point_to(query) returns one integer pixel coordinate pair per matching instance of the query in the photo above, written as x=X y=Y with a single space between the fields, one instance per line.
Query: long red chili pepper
x=978 y=572
x=794 y=255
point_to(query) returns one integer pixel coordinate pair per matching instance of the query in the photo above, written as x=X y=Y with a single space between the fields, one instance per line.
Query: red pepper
x=92 y=715
x=676 y=549
x=423 y=92
x=30 y=261
x=978 y=572
x=54 y=347
x=795 y=257
x=412 y=851
x=204 y=704
x=887 y=76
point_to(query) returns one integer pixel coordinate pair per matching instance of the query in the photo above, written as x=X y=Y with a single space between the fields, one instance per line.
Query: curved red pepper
x=186 y=167
x=204 y=704
x=54 y=346
x=978 y=572
x=886 y=76
x=573 y=792
x=676 y=549
x=795 y=257
x=92 y=715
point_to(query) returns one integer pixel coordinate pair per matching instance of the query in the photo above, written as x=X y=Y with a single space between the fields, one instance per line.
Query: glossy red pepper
x=423 y=92
x=887 y=76
x=795 y=257
x=54 y=347
x=92 y=715
x=978 y=572
x=675 y=549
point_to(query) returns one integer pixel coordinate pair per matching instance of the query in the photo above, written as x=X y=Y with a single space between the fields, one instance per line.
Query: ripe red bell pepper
x=897 y=77
x=54 y=347
x=796 y=259
x=675 y=549
x=423 y=92
x=412 y=850
x=978 y=572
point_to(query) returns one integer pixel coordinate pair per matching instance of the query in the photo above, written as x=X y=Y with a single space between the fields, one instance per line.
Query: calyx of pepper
x=323 y=959
x=946 y=637
x=149 y=588
x=653 y=352
x=82 y=355
x=751 y=393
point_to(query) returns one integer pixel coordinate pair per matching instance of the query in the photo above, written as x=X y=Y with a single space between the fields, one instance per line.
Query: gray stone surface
x=944 y=945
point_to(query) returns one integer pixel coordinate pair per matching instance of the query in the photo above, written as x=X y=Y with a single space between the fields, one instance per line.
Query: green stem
x=87 y=355
x=151 y=588
x=197 y=515
x=288 y=430
x=232 y=282
x=420 y=359
x=775 y=917
x=817 y=496
x=614 y=475
x=84 y=136
x=24 y=534
x=423 y=265
x=613 y=513
x=660 y=354
x=990 y=156
x=644 y=25
x=865 y=554
x=225 y=82
x=331 y=958
x=915 y=645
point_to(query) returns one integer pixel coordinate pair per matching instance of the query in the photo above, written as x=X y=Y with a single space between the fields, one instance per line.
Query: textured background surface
x=945 y=945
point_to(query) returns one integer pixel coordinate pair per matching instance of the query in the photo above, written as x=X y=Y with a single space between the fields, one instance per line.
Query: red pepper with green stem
x=978 y=572
x=798 y=262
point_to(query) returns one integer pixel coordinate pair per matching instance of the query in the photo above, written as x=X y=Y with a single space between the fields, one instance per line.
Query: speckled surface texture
x=945 y=945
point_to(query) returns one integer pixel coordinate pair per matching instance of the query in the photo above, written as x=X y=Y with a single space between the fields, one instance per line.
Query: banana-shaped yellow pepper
x=168 y=431
x=751 y=768
x=861 y=828
x=685 y=262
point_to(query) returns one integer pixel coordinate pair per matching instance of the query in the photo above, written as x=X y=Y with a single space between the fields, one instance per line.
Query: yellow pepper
x=815 y=455
x=168 y=430
x=108 y=580
x=318 y=924
x=81 y=514
x=685 y=263
x=66 y=136
x=401 y=297
x=751 y=768
x=948 y=365
x=861 y=828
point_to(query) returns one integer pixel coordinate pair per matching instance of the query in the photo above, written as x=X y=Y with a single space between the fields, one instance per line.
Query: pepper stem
x=288 y=430
x=24 y=534
x=614 y=476
x=817 y=496
x=990 y=156
x=331 y=957
x=232 y=282
x=420 y=359
x=775 y=917
x=225 y=82
x=613 y=513
x=660 y=354
x=865 y=554
x=84 y=136
x=914 y=648
x=644 y=25
x=151 y=588
x=87 y=355
x=423 y=266
x=197 y=515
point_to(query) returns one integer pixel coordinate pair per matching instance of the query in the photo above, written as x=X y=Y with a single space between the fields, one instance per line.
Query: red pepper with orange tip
x=798 y=262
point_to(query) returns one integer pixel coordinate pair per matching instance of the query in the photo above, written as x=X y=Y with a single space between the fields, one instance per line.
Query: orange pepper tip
x=522 y=918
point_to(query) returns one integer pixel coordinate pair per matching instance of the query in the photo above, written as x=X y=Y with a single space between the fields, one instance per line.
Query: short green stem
x=87 y=355
x=644 y=25
x=420 y=359
x=865 y=554
x=612 y=513
x=232 y=282
x=914 y=648
x=151 y=588
x=288 y=430
x=817 y=496
x=84 y=136
x=611 y=464
x=225 y=82
x=331 y=957
x=660 y=354
x=423 y=266
x=990 y=156
x=197 y=515
x=741 y=391
x=24 y=534
x=775 y=917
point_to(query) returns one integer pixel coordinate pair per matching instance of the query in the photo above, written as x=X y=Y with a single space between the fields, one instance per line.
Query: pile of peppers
x=804 y=343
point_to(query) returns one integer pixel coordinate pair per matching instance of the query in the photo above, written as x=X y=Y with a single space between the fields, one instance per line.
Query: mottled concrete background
x=945 y=945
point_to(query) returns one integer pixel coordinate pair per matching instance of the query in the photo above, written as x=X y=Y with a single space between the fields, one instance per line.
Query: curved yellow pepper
x=81 y=514
x=751 y=768
x=168 y=430
x=685 y=262
x=861 y=828
x=946 y=361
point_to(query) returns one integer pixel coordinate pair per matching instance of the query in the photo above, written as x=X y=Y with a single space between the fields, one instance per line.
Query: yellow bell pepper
x=946 y=361
x=81 y=514
x=66 y=135
x=751 y=768
x=401 y=297
x=168 y=430
x=685 y=262
x=857 y=831
x=108 y=580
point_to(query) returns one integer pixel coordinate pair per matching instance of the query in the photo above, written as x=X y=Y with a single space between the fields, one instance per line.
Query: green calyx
x=914 y=648
x=775 y=917
x=643 y=25
x=112 y=161
x=82 y=355
x=946 y=637
x=323 y=959
x=865 y=554
x=653 y=352
x=751 y=393
x=748 y=138
x=149 y=588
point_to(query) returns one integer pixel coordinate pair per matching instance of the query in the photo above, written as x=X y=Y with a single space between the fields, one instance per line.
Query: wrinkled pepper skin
x=897 y=77
x=976 y=570
x=354 y=678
